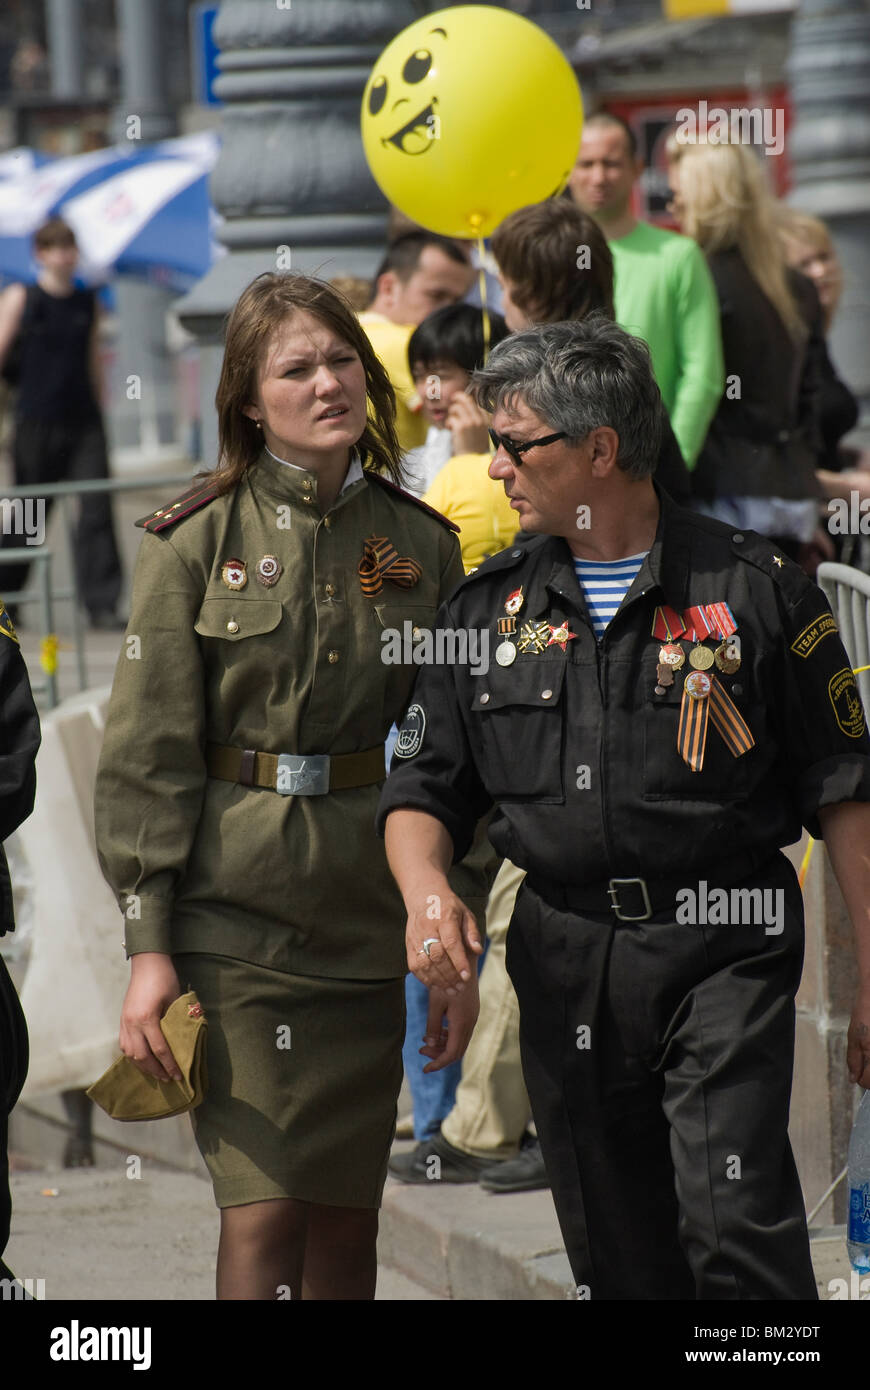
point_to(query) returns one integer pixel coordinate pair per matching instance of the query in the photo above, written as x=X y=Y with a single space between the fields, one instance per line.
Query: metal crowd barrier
x=44 y=594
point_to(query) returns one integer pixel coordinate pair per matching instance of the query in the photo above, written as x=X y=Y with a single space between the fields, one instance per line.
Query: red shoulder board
x=190 y=501
x=409 y=497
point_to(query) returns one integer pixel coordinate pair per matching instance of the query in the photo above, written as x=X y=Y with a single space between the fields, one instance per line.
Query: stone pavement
x=97 y=1234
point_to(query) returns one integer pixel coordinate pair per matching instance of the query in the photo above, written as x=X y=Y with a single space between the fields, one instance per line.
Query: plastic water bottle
x=858 y=1229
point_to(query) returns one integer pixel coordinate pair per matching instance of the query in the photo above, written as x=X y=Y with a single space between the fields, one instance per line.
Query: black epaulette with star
x=409 y=497
x=759 y=551
x=190 y=501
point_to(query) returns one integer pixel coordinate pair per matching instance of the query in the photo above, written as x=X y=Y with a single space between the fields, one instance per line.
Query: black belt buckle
x=613 y=888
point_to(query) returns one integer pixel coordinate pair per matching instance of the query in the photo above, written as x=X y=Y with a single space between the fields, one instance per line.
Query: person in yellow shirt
x=420 y=272
x=442 y=353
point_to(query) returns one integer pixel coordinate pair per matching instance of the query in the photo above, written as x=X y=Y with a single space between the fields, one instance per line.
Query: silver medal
x=506 y=654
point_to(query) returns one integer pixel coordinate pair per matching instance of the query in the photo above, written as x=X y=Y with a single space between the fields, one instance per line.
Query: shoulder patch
x=409 y=496
x=190 y=501
x=763 y=553
x=6 y=625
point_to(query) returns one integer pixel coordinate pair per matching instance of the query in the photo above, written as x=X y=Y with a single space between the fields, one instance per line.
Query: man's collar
x=666 y=566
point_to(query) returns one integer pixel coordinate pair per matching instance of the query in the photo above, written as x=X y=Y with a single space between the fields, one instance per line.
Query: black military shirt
x=579 y=752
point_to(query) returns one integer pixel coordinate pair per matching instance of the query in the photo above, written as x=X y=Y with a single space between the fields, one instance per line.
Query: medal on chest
x=704 y=698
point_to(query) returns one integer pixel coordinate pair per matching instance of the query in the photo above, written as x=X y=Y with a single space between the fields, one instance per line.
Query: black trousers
x=14 y=1056
x=53 y=453
x=664 y=1127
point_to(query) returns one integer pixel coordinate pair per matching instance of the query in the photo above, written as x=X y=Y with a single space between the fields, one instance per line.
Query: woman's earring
x=259 y=424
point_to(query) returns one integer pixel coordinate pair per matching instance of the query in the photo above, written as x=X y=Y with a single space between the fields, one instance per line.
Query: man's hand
x=153 y=987
x=468 y=424
x=449 y=1026
x=441 y=919
x=858 y=1040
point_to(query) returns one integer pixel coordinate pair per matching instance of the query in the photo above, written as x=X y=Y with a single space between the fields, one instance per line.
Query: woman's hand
x=449 y=1026
x=468 y=424
x=153 y=987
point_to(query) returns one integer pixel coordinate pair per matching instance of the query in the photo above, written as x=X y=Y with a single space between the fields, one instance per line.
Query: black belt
x=636 y=899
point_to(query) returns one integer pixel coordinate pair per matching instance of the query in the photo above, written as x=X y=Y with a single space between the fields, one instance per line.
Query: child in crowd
x=443 y=351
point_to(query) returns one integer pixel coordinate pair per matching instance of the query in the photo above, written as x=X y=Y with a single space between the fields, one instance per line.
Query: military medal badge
x=514 y=602
x=506 y=652
x=534 y=638
x=234 y=574
x=269 y=570
x=667 y=626
x=561 y=635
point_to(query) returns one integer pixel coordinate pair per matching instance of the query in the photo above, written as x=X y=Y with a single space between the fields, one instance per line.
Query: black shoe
x=433 y=1161
x=525 y=1173
x=106 y=620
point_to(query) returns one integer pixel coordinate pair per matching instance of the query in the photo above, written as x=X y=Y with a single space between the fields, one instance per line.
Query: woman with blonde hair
x=758 y=466
x=238 y=783
x=809 y=249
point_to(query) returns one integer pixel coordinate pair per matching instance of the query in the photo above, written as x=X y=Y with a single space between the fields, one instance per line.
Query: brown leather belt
x=296 y=774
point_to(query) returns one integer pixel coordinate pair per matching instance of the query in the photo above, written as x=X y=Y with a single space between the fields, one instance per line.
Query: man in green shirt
x=663 y=291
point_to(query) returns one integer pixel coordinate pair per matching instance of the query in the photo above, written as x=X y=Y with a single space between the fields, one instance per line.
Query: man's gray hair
x=577 y=376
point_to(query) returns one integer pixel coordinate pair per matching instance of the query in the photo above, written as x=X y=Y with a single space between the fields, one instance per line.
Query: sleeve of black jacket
x=433 y=768
x=823 y=723
x=19 y=740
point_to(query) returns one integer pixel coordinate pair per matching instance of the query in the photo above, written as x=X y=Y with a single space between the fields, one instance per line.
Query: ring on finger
x=427 y=946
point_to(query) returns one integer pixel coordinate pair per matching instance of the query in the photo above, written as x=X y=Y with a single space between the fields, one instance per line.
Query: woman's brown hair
x=538 y=249
x=259 y=311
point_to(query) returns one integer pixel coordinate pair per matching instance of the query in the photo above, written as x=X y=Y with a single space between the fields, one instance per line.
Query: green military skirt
x=303 y=1078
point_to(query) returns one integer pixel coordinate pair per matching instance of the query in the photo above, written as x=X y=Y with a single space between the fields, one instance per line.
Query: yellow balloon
x=469 y=114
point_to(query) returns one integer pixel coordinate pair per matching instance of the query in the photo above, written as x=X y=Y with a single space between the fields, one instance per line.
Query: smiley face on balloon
x=490 y=101
x=393 y=95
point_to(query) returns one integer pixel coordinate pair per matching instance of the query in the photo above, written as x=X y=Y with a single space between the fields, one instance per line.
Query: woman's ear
x=252 y=412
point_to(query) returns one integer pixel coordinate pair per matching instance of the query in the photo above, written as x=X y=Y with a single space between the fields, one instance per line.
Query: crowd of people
x=549 y=457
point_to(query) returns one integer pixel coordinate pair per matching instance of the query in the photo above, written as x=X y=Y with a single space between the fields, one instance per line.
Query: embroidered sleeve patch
x=410 y=739
x=846 y=703
x=806 y=642
x=812 y=634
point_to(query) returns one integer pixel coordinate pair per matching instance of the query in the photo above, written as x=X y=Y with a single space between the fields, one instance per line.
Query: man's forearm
x=846 y=829
x=419 y=850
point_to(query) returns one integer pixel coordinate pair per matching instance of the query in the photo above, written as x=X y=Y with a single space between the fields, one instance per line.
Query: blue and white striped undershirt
x=605 y=584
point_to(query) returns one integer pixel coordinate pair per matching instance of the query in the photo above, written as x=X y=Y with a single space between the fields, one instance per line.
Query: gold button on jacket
x=298 y=883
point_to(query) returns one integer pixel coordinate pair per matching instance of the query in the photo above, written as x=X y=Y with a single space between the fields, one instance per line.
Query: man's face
x=602 y=179
x=436 y=282
x=62 y=260
x=516 y=318
x=553 y=480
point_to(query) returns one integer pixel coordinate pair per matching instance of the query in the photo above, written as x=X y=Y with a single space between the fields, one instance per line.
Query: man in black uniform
x=647 y=766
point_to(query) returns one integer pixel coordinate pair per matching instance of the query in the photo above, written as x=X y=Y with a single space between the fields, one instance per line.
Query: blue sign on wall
x=203 y=54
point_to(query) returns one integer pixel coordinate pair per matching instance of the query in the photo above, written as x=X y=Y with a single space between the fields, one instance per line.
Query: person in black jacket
x=48 y=344
x=19 y=740
x=757 y=469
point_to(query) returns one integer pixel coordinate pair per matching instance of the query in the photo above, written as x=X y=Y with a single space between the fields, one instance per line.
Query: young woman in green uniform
x=238 y=783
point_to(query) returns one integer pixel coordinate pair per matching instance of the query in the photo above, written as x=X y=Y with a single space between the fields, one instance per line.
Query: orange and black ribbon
x=692 y=729
x=380 y=561
x=727 y=720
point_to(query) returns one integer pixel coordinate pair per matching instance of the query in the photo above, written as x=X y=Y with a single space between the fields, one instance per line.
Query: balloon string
x=481 y=255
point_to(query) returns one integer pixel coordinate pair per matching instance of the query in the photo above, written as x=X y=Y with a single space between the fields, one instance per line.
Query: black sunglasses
x=516 y=451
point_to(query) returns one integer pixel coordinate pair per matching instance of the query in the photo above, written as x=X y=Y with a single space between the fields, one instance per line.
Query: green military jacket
x=293 y=882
